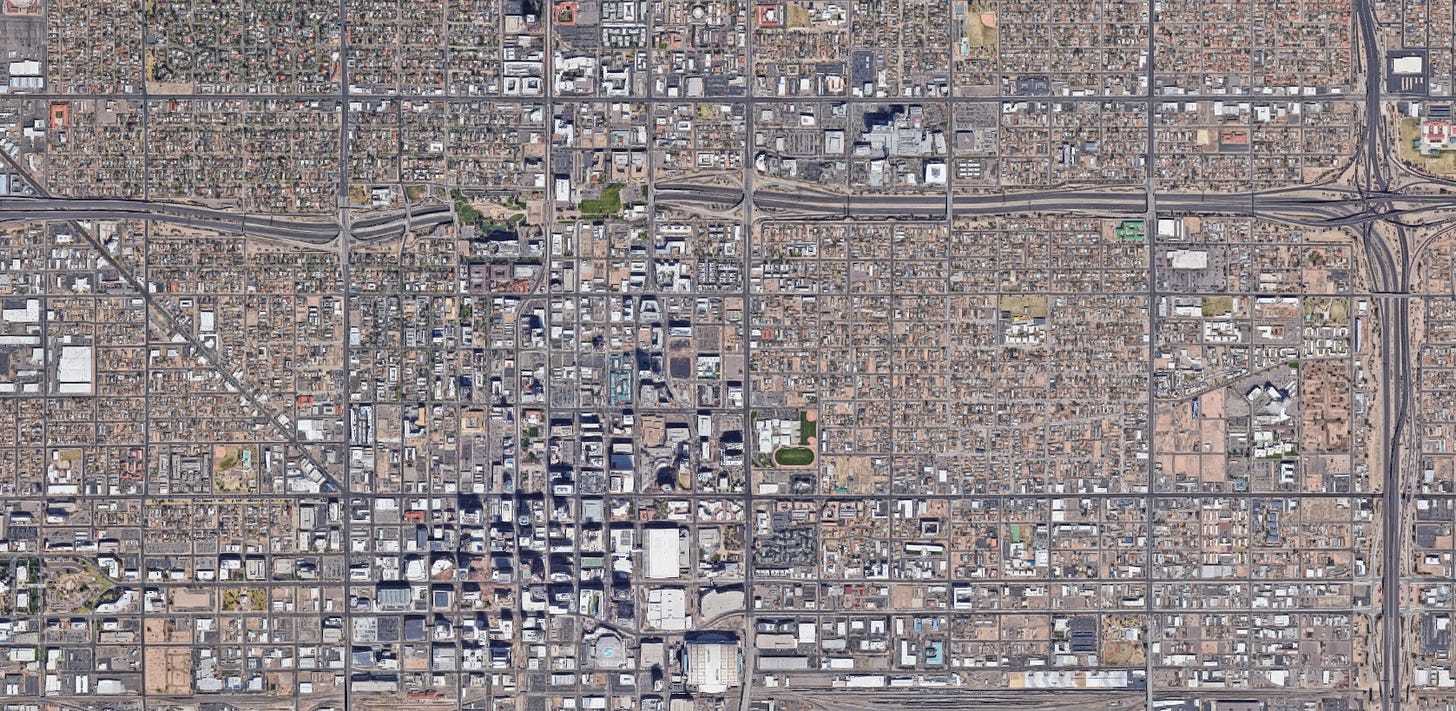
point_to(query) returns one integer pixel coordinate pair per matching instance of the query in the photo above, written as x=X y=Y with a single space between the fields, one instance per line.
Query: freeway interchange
x=1381 y=201
x=1309 y=207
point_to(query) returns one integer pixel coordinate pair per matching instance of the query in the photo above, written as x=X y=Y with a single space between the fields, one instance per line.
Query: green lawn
x=464 y=210
x=807 y=428
x=794 y=456
x=608 y=205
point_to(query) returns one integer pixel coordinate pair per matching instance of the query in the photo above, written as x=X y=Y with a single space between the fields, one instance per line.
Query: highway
x=1383 y=218
x=363 y=230
x=1394 y=320
x=170 y=319
x=1309 y=206
x=1384 y=205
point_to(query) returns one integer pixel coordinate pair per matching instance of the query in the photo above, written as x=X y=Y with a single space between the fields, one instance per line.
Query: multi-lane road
x=370 y=227
x=1308 y=206
x=1383 y=216
x=1374 y=179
